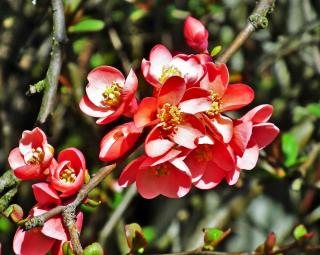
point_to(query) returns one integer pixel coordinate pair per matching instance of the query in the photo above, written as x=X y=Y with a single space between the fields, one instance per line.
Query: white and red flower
x=109 y=94
x=32 y=159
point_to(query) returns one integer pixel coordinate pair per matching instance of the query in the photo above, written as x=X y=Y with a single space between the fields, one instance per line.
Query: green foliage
x=87 y=25
x=299 y=232
x=93 y=249
x=213 y=236
x=290 y=148
x=215 y=51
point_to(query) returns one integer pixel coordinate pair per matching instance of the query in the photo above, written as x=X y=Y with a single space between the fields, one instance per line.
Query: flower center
x=167 y=72
x=170 y=116
x=203 y=153
x=216 y=104
x=68 y=175
x=36 y=157
x=161 y=170
x=112 y=94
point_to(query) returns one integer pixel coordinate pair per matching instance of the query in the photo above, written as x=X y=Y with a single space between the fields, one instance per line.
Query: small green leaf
x=299 y=232
x=215 y=51
x=290 y=148
x=314 y=109
x=87 y=25
x=137 y=14
x=149 y=233
x=213 y=236
x=93 y=249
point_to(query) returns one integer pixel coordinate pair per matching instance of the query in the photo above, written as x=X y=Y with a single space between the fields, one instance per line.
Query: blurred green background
x=281 y=63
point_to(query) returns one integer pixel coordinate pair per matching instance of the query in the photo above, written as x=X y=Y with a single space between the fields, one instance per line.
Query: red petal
x=224 y=126
x=222 y=156
x=155 y=144
x=216 y=79
x=116 y=114
x=197 y=166
x=195 y=100
x=233 y=176
x=159 y=56
x=261 y=113
x=172 y=91
x=130 y=86
x=211 y=177
x=195 y=34
x=146 y=112
x=118 y=141
x=32 y=139
x=241 y=135
x=54 y=228
x=236 y=96
x=45 y=194
x=31 y=242
x=128 y=175
x=264 y=134
x=29 y=172
x=73 y=155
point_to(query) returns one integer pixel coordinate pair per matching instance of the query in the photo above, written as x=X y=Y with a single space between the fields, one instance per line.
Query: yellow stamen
x=215 y=105
x=36 y=157
x=112 y=94
x=170 y=116
x=68 y=175
x=168 y=72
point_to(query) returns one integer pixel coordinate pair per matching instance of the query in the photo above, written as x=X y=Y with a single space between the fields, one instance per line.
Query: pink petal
x=54 y=228
x=249 y=158
x=31 y=242
x=116 y=114
x=261 y=113
x=172 y=91
x=15 y=159
x=32 y=139
x=159 y=56
x=155 y=144
x=99 y=79
x=195 y=34
x=236 y=96
x=264 y=134
x=224 y=126
x=129 y=173
x=195 y=100
x=211 y=177
x=130 y=86
x=92 y=110
x=146 y=112
x=45 y=194
x=196 y=165
x=188 y=132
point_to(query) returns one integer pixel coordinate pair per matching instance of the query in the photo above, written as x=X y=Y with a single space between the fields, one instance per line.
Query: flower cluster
x=59 y=180
x=190 y=138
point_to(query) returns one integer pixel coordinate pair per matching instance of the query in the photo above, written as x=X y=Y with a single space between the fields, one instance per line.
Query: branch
x=51 y=80
x=258 y=19
x=68 y=211
x=8 y=181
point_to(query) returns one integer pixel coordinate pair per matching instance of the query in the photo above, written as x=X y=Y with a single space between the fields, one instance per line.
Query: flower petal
x=195 y=100
x=129 y=173
x=92 y=110
x=172 y=91
x=241 y=135
x=211 y=177
x=236 y=96
x=264 y=134
x=146 y=112
x=155 y=144
x=249 y=158
x=45 y=194
x=261 y=113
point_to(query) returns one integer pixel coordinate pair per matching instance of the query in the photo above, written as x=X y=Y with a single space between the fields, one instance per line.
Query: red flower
x=162 y=65
x=118 y=141
x=210 y=163
x=167 y=176
x=252 y=133
x=53 y=231
x=196 y=34
x=215 y=96
x=68 y=175
x=173 y=125
x=33 y=157
x=109 y=95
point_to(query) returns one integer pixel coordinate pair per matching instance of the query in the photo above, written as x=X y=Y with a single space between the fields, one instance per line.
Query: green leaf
x=87 y=25
x=314 y=109
x=299 y=232
x=149 y=233
x=212 y=234
x=137 y=14
x=290 y=148
x=215 y=50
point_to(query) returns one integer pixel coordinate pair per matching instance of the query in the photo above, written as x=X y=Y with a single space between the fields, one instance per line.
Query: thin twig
x=51 y=80
x=258 y=19
x=108 y=227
